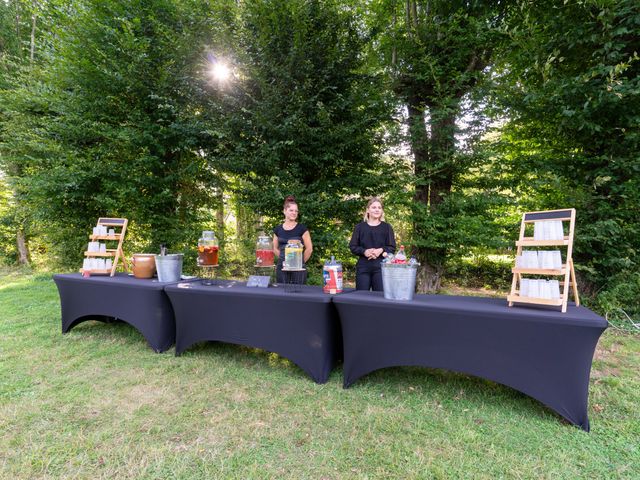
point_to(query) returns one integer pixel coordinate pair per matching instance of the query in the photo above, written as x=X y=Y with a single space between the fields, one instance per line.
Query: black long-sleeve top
x=365 y=236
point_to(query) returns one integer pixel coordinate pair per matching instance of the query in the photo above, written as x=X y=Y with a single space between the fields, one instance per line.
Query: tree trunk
x=23 y=249
x=442 y=150
x=429 y=277
x=220 y=216
x=33 y=38
x=434 y=178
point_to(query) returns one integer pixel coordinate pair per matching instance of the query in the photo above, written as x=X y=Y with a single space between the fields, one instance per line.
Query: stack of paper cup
x=548 y=230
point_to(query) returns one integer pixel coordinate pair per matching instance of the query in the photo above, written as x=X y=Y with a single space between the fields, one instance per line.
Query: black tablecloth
x=544 y=354
x=301 y=326
x=140 y=303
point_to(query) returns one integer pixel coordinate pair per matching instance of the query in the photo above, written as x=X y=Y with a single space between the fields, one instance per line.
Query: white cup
x=549 y=260
x=112 y=232
x=537 y=231
x=558 y=231
x=556 y=259
x=554 y=286
x=545 y=289
x=524 y=287
x=530 y=258
x=108 y=264
x=534 y=288
x=103 y=247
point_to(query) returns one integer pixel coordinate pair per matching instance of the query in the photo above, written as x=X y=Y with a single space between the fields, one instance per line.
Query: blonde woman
x=372 y=240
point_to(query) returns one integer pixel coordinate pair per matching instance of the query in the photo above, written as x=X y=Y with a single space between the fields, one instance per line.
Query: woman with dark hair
x=372 y=240
x=290 y=230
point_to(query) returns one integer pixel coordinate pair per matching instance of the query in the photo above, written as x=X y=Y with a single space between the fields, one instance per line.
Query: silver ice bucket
x=169 y=267
x=399 y=280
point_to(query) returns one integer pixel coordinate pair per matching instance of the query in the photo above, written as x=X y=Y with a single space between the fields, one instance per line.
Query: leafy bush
x=481 y=271
x=620 y=301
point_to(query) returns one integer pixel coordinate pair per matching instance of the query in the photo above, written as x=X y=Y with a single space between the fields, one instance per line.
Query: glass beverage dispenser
x=293 y=255
x=264 y=251
x=208 y=249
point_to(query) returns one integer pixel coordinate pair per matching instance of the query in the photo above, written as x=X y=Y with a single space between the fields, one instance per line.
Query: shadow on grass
x=121 y=332
x=445 y=386
x=452 y=387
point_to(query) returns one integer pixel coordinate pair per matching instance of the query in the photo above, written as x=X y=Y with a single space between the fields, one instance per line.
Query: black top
x=365 y=236
x=285 y=235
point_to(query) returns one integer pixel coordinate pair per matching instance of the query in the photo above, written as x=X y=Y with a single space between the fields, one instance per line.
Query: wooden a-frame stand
x=567 y=270
x=120 y=227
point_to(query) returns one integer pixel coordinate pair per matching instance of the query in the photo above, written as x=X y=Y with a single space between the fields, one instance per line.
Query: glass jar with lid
x=208 y=249
x=293 y=255
x=264 y=251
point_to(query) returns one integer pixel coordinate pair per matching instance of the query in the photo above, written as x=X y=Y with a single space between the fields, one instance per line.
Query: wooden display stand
x=116 y=253
x=567 y=270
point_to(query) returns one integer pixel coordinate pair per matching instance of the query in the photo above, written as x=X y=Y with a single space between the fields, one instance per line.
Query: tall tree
x=572 y=89
x=304 y=116
x=109 y=125
x=436 y=53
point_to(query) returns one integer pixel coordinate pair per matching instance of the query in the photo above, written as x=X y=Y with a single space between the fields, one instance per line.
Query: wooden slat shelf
x=100 y=271
x=567 y=271
x=540 y=271
x=555 y=302
x=120 y=227
x=530 y=242
x=105 y=237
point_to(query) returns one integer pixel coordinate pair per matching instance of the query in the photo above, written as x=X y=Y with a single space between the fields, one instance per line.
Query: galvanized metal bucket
x=399 y=280
x=169 y=267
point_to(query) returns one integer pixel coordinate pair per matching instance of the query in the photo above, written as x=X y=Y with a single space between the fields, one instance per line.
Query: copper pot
x=144 y=265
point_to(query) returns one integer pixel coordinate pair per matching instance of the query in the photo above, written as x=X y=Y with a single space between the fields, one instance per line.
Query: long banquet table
x=301 y=326
x=542 y=353
x=140 y=303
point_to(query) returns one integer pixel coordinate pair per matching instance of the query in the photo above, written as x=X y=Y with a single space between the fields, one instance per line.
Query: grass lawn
x=99 y=403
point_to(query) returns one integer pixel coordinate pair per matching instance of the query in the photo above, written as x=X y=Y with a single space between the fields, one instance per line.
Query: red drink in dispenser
x=208 y=249
x=264 y=251
x=207 y=255
x=264 y=258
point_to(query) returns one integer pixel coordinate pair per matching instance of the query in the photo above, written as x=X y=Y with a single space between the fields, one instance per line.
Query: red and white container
x=332 y=274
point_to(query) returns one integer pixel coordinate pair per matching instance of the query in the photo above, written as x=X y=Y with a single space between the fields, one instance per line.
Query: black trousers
x=369 y=276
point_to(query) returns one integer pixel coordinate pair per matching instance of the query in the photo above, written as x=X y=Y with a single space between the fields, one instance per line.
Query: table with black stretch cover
x=301 y=326
x=542 y=353
x=141 y=303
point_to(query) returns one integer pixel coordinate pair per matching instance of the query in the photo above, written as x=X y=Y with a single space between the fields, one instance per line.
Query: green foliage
x=573 y=98
x=481 y=271
x=116 y=114
x=106 y=125
x=619 y=301
x=436 y=54
x=304 y=118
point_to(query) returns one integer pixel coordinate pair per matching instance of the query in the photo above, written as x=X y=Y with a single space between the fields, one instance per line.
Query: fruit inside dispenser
x=207 y=249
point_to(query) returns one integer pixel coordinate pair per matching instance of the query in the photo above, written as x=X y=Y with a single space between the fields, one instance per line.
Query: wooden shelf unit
x=115 y=253
x=567 y=270
x=540 y=271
